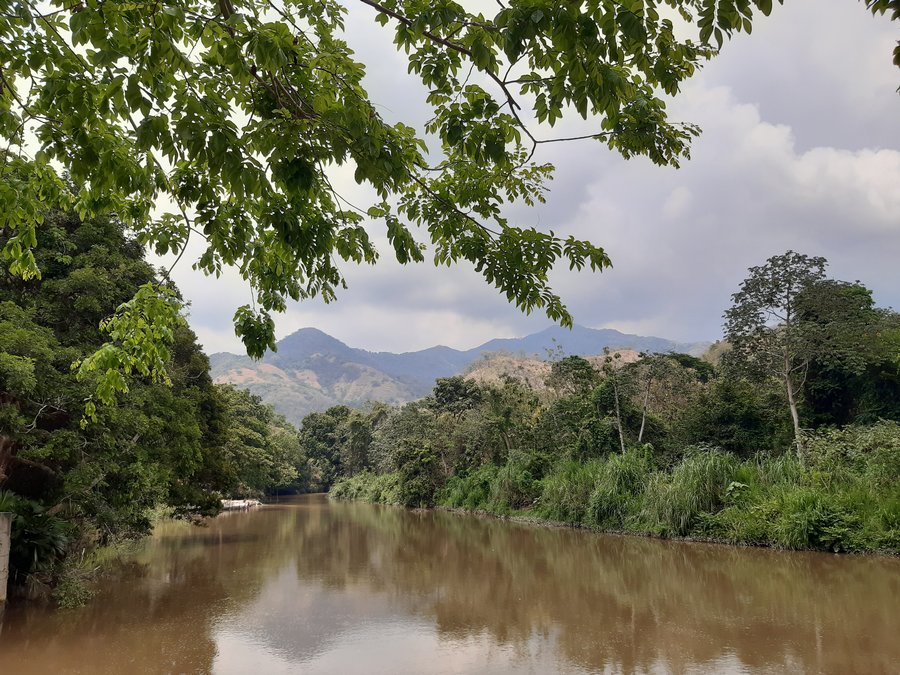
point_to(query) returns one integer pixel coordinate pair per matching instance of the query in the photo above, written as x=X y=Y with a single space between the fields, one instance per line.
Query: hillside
x=494 y=367
x=312 y=370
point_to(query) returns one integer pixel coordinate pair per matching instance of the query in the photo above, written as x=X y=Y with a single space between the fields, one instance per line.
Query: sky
x=800 y=150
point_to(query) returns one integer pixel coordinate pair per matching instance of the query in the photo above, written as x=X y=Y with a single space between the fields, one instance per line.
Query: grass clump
x=566 y=491
x=618 y=492
x=698 y=485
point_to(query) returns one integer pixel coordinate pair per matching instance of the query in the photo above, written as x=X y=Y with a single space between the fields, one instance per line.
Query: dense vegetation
x=74 y=482
x=671 y=445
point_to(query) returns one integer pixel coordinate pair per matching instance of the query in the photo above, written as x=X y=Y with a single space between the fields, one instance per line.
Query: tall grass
x=673 y=503
x=471 y=491
x=513 y=488
x=618 y=493
x=567 y=490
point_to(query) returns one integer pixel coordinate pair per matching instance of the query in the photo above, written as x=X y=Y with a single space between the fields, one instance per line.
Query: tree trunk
x=618 y=415
x=644 y=413
x=792 y=404
x=5 y=532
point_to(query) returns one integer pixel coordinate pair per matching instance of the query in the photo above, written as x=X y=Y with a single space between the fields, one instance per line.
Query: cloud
x=681 y=240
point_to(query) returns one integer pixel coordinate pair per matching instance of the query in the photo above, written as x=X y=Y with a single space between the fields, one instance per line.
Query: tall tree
x=665 y=384
x=766 y=332
x=611 y=368
x=161 y=444
x=572 y=375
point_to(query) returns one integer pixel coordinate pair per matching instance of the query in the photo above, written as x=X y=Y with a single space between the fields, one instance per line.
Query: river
x=311 y=586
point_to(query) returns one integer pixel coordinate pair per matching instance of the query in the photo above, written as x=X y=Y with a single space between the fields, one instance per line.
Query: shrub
x=871 y=451
x=811 y=519
x=418 y=476
x=471 y=491
x=513 y=488
x=566 y=491
x=368 y=487
x=38 y=540
x=620 y=484
x=697 y=485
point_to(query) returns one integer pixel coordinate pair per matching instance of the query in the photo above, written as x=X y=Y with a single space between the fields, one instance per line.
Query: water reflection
x=319 y=587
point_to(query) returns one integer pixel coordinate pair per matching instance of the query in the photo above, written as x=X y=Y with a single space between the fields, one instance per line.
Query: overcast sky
x=800 y=150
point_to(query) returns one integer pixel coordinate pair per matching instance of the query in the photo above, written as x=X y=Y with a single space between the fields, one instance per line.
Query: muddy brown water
x=311 y=586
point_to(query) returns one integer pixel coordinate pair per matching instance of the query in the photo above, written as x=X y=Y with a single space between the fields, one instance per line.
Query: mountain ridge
x=313 y=370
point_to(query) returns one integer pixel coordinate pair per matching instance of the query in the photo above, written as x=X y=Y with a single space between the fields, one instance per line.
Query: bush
x=697 y=485
x=368 y=487
x=810 y=519
x=513 y=488
x=870 y=451
x=620 y=484
x=567 y=490
x=418 y=477
x=472 y=491
x=38 y=540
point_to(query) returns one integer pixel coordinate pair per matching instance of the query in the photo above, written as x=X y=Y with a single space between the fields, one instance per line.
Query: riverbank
x=821 y=503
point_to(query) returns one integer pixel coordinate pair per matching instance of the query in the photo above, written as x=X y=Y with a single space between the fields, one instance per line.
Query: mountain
x=312 y=370
x=586 y=341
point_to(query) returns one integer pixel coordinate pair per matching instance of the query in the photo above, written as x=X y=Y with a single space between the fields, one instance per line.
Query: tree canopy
x=223 y=121
x=766 y=335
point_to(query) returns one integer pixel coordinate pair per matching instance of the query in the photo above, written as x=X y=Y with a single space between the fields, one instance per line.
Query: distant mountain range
x=312 y=371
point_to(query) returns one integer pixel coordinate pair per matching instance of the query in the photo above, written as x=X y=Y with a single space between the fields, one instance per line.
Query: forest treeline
x=75 y=484
x=785 y=435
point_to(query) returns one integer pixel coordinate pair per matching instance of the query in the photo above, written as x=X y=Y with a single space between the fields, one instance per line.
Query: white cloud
x=682 y=240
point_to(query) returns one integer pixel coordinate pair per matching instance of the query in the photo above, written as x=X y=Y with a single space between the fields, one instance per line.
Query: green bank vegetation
x=791 y=439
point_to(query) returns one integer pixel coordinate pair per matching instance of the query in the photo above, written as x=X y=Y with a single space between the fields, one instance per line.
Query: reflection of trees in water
x=146 y=628
x=619 y=602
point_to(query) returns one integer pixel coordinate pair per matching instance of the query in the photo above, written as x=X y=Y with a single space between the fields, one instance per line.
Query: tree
x=571 y=376
x=221 y=121
x=262 y=450
x=455 y=395
x=611 y=370
x=321 y=436
x=737 y=414
x=160 y=445
x=854 y=374
x=665 y=384
x=763 y=326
